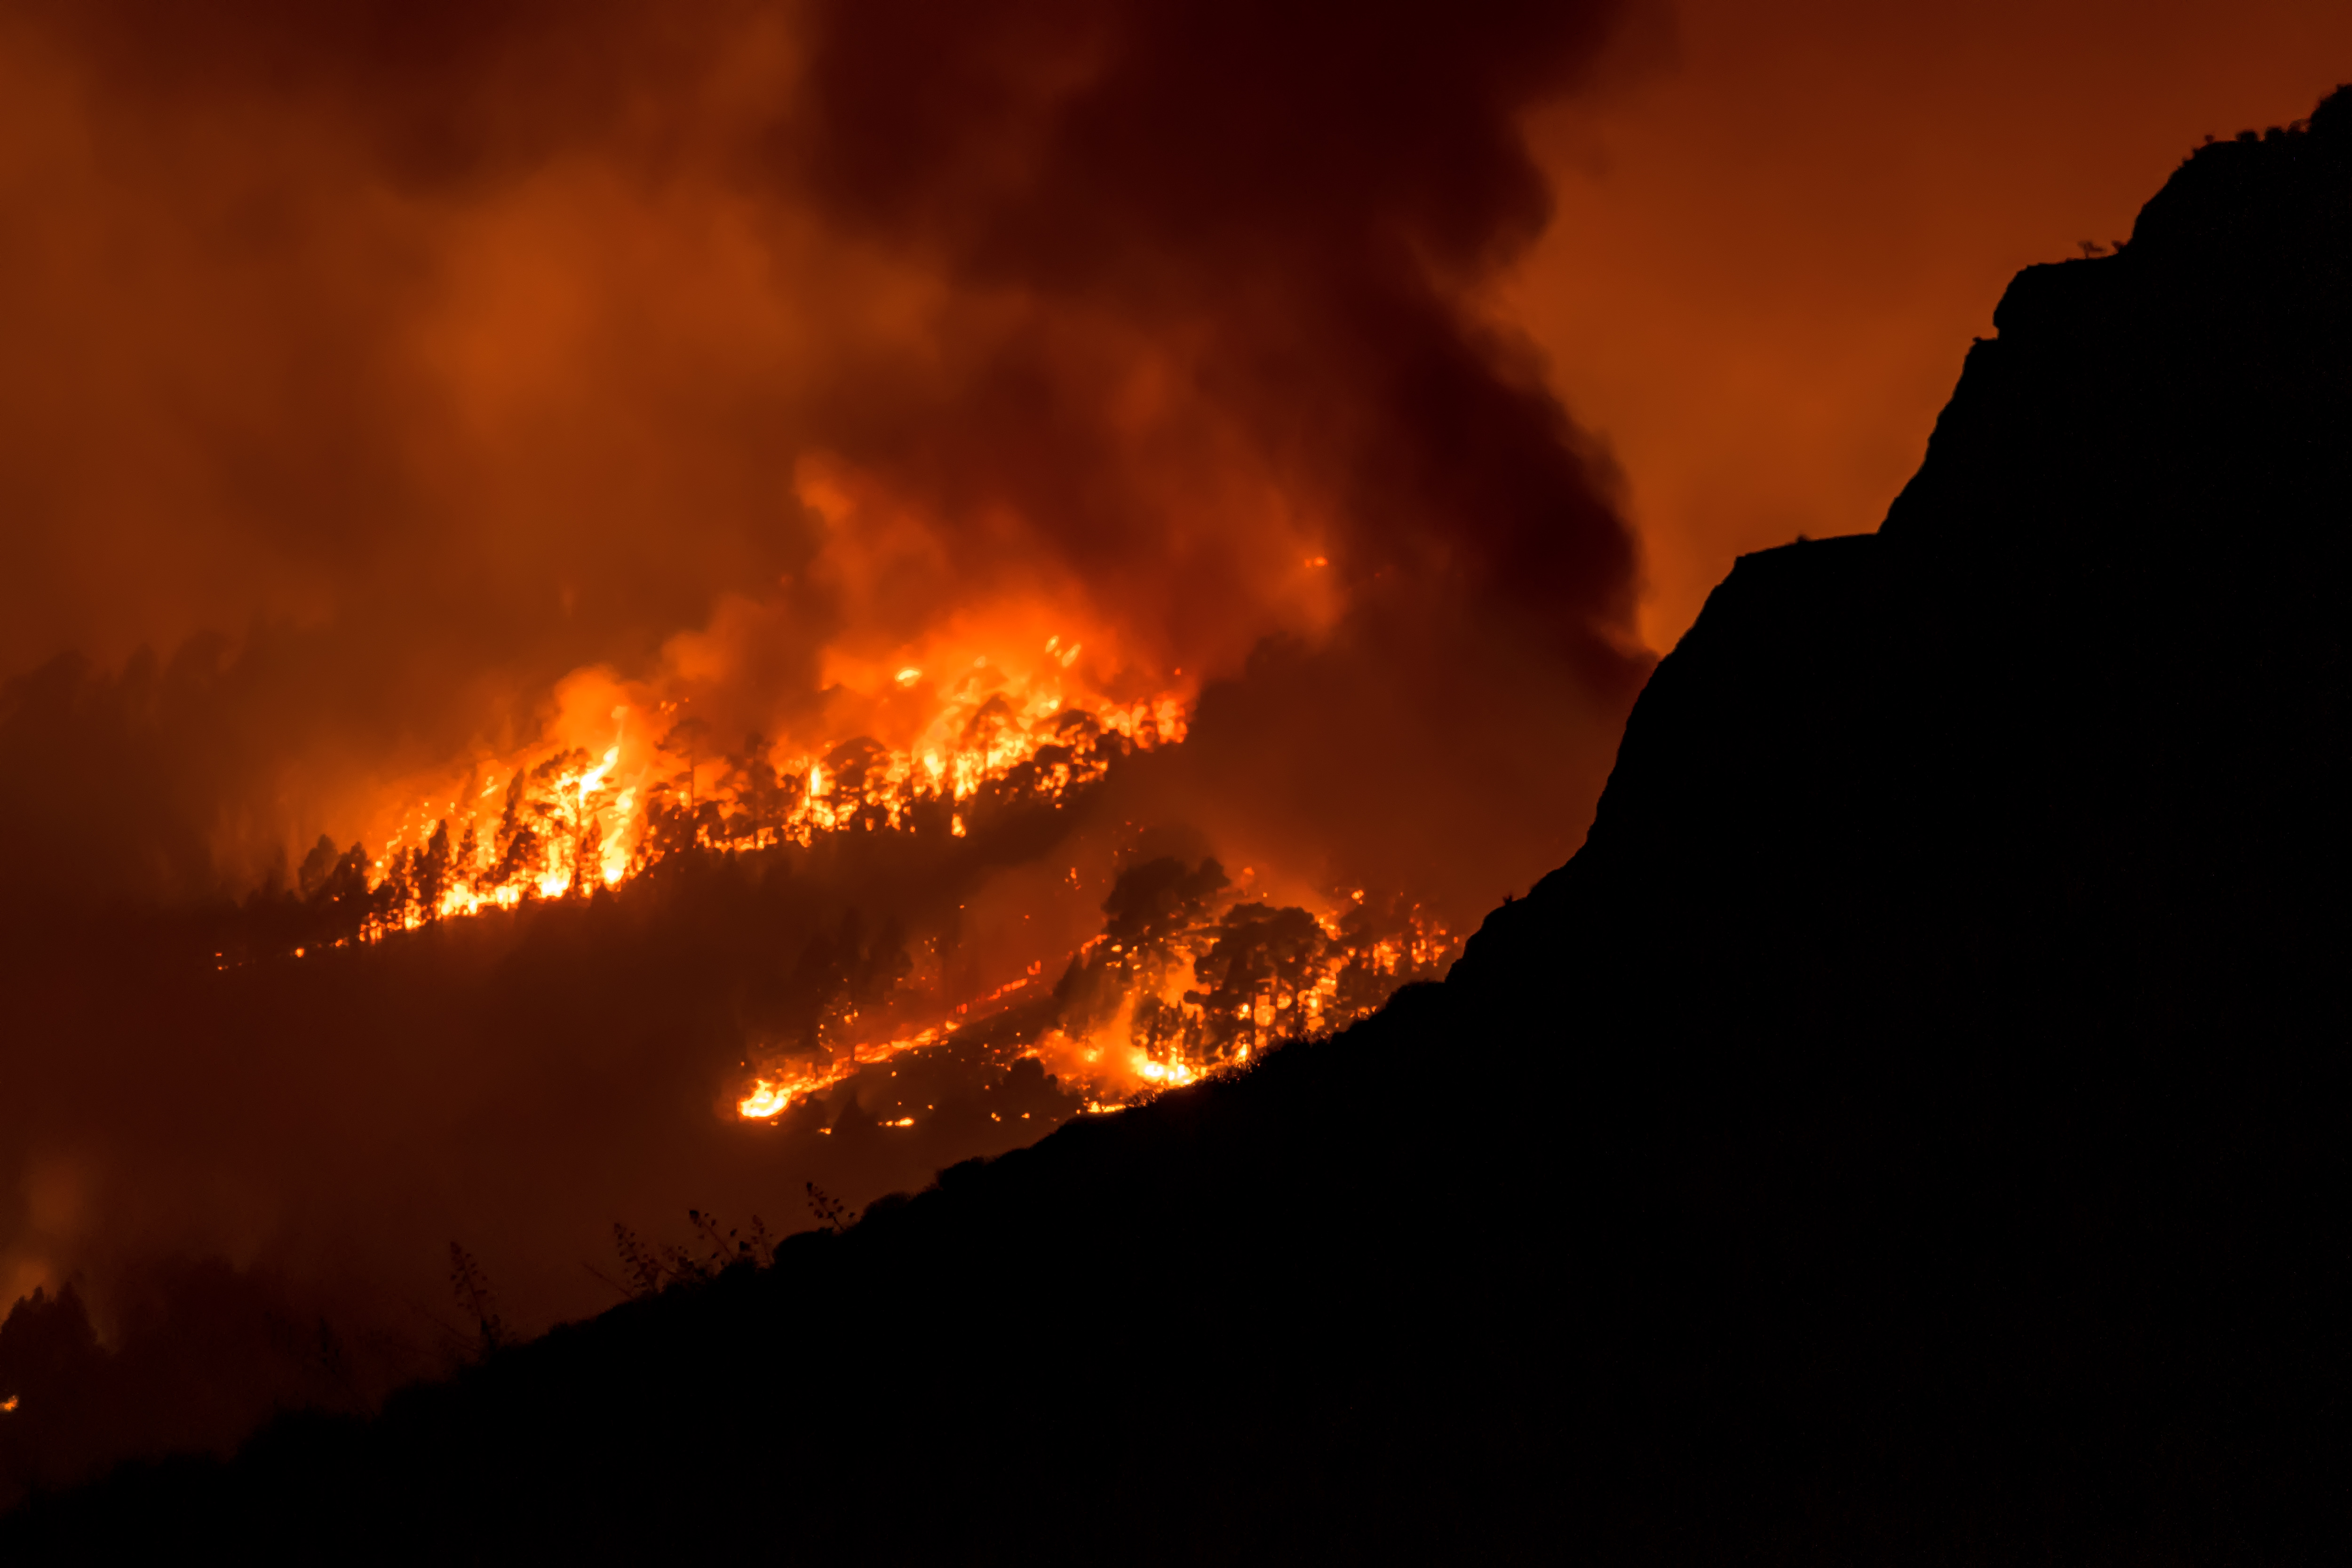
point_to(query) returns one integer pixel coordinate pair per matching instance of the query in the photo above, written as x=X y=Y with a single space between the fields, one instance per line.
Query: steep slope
x=1964 y=922
x=1913 y=1127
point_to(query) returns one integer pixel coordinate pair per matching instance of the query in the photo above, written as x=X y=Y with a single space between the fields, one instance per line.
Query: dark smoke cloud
x=1292 y=211
x=1298 y=201
x=432 y=350
x=382 y=364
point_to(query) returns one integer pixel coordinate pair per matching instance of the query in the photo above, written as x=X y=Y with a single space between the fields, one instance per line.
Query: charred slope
x=1914 y=1126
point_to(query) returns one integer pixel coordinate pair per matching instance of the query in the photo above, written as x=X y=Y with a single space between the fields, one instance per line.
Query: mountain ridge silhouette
x=1911 y=1128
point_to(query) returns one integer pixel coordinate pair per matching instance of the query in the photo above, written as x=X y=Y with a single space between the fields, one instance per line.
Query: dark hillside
x=1914 y=1127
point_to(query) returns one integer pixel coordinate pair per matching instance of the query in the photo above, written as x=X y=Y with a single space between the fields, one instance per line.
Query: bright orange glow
x=626 y=777
x=1159 y=1031
x=765 y=1100
x=1786 y=383
x=775 y=1091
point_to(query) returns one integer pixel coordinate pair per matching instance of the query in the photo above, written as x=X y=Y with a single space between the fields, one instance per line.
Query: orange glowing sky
x=1774 y=243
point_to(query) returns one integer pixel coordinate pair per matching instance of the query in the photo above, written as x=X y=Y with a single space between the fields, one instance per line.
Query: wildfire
x=765 y=1100
x=775 y=1089
x=1192 y=975
x=1185 y=984
x=564 y=819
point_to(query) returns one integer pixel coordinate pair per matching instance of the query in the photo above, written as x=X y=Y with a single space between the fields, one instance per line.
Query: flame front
x=1125 y=1024
x=629 y=778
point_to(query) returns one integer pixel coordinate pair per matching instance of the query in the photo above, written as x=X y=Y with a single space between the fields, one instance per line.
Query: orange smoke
x=446 y=355
x=1773 y=245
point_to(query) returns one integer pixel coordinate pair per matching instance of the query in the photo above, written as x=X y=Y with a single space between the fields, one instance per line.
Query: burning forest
x=1189 y=973
x=678 y=613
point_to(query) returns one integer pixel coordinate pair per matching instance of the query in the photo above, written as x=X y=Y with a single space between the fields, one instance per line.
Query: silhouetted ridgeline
x=1913 y=1126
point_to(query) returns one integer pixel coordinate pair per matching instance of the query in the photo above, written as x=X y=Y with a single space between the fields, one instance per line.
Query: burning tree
x=1153 y=911
x=1263 y=962
x=1182 y=981
x=1259 y=972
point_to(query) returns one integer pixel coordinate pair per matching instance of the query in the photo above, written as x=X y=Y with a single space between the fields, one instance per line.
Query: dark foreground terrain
x=1916 y=1127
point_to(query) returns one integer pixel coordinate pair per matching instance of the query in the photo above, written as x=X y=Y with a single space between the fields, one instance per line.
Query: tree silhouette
x=1262 y=960
x=763 y=798
x=515 y=847
x=1153 y=907
x=317 y=866
x=471 y=1287
x=429 y=873
x=687 y=737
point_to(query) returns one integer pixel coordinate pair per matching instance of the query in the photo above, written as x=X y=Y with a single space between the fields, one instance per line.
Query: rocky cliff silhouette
x=1913 y=1128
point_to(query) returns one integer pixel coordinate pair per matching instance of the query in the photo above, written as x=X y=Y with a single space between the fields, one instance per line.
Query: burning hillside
x=1182 y=982
x=562 y=821
x=753 y=597
x=1189 y=974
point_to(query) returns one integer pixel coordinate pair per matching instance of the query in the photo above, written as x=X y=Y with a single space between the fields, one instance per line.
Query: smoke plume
x=391 y=386
x=424 y=353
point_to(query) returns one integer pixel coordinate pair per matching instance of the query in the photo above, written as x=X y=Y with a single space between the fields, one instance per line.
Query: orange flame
x=624 y=778
x=1123 y=1061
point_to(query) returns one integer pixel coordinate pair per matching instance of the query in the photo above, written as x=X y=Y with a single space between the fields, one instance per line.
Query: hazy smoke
x=430 y=351
x=385 y=363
